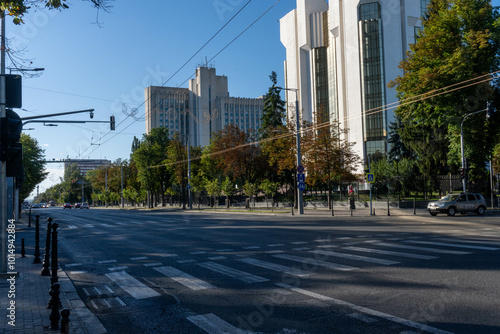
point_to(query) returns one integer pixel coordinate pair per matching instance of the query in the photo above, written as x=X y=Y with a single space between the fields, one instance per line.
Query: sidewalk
x=32 y=293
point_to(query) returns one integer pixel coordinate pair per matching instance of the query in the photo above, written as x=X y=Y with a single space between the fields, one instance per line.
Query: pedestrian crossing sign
x=370 y=177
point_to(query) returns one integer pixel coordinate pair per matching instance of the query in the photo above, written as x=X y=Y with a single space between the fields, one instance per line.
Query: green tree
x=460 y=41
x=273 y=114
x=34 y=165
x=18 y=8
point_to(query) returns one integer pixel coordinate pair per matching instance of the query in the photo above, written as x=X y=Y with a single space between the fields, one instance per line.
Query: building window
x=372 y=69
x=423 y=7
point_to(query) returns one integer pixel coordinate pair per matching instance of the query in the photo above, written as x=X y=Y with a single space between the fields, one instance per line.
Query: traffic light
x=462 y=173
x=489 y=110
x=11 y=127
x=112 y=122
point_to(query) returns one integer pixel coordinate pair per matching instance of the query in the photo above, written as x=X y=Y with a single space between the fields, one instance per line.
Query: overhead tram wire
x=328 y=124
x=176 y=72
x=225 y=47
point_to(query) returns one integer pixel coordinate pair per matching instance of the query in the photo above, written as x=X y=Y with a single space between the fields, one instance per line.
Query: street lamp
x=396 y=158
x=299 y=155
x=464 y=176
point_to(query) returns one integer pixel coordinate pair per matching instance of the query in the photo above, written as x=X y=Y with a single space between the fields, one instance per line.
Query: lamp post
x=396 y=158
x=299 y=154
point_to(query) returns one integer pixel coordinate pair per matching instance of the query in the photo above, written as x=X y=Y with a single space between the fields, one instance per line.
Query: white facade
x=202 y=110
x=341 y=55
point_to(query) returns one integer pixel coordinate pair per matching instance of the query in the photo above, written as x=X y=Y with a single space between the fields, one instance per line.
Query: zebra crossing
x=257 y=265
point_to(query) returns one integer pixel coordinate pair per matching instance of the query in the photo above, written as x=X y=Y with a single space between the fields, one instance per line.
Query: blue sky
x=106 y=66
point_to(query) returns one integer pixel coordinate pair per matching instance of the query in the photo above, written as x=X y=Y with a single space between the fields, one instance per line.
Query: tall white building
x=202 y=109
x=341 y=55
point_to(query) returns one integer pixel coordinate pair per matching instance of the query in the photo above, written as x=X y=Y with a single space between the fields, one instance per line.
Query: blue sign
x=302 y=186
x=301 y=177
x=300 y=169
x=370 y=177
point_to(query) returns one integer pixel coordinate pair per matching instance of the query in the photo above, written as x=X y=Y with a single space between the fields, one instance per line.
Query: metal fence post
x=37 y=240
x=46 y=259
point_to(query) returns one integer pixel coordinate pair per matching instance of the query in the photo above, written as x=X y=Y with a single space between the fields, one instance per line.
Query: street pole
x=3 y=170
x=121 y=171
x=189 y=175
x=299 y=154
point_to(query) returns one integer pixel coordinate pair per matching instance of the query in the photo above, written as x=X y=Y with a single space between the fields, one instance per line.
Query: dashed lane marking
x=212 y=324
x=402 y=254
x=275 y=267
x=234 y=273
x=315 y=262
x=355 y=257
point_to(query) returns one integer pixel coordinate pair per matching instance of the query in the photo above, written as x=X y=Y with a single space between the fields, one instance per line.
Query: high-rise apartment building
x=201 y=110
x=341 y=55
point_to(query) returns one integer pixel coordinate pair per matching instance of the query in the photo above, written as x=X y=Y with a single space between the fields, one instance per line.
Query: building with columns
x=341 y=55
x=201 y=110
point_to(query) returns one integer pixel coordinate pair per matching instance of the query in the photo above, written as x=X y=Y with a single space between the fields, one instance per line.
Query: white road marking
x=186 y=261
x=88 y=225
x=132 y=286
x=324 y=240
x=217 y=258
x=74 y=265
x=367 y=311
x=77 y=272
x=275 y=267
x=212 y=324
x=251 y=247
x=139 y=258
x=107 y=261
x=168 y=255
x=356 y=257
x=275 y=245
x=402 y=254
x=485 y=242
x=153 y=264
x=453 y=245
x=118 y=268
x=299 y=242
x=72 y=226
x=425 y=249
x=234 y=273
x=106 y=225
x=362 y=317
x=198 y=253
x=301 y=249
x=275 y=252
x=315 y=262
x=181 y=277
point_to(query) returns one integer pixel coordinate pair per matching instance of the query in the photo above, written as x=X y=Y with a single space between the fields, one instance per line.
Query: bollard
x=374 y=211
x=29 y=219
x=351 y=211
x=23 y=251
x=46 y=259
x=292 y=209
x=388 y=208
x=415 y=206
x=54 y=278
x=333 y=213
x=54 y=314
x=37 y=240
x=65 y=321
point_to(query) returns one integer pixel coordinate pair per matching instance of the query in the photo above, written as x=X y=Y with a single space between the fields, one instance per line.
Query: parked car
x=77 y=205
x=463 y=203
x=67 y=206
x=85 y=206
x=35 y=205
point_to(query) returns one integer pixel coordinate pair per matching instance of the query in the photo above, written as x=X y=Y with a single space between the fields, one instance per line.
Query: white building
x=200 y=110
x=341 y=55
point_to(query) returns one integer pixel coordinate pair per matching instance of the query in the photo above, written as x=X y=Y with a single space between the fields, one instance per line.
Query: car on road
x=67 y=206
x=85 y=206
x=77 y=205
x=35 y=205
x=463 y=203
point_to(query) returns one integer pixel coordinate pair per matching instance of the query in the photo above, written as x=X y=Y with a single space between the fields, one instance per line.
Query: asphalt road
x=169 y=272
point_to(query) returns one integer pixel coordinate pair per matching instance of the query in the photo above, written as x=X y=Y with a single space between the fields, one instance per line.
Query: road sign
x=300 y=169
x=302 y=186
x=301 y=177
x=370 y=177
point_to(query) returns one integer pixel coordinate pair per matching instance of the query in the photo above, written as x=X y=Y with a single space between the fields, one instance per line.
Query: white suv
x=463 y=203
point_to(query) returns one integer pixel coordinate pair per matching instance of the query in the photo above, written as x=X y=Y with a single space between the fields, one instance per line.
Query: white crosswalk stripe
x=379 y=251
x=425 y=249
x=275 y=267
x=315 y=262
x=452 y=245
x=183 y=278
x=355 y=257
x=212 y=324
x=234 y=273
x=132 y=286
